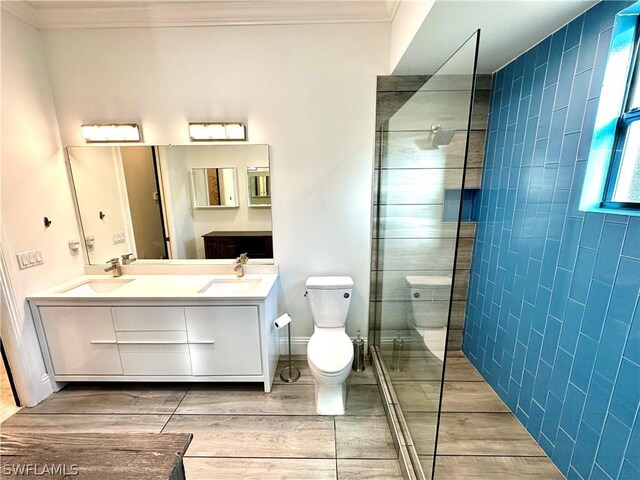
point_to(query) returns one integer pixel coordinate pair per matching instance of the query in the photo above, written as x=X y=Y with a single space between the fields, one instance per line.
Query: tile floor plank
x=257 y=436
x=288 y=399
x=113 y=399
x=471 y=397
x=199 y=468
x=484 y=434
x=364 y=437
x=495 y=468
x=85 y=423
x=363 y=400
x=368 y=469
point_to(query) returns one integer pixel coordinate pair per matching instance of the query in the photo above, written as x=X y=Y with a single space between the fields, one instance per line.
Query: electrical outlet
x=89 y=241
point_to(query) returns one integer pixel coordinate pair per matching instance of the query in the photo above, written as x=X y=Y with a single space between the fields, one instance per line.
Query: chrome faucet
x=240 y=262
x=115 y=266
x=128 y=259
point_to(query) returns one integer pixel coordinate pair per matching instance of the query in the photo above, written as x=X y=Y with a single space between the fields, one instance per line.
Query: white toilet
x=330 y=351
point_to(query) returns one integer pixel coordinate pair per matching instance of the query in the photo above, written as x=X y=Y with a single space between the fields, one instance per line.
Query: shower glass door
x=418 y=203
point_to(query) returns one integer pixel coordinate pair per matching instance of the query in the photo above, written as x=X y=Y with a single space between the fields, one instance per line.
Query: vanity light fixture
x=117 y=132
x=217 y=131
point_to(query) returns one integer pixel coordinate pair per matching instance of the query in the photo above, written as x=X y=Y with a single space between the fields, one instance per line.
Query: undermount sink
x=97 y=286
x=231 y=285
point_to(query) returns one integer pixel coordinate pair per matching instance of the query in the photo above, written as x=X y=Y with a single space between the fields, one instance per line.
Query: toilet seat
x=330 y=351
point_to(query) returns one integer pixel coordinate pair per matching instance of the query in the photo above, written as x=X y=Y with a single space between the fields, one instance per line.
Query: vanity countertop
x=165 y=287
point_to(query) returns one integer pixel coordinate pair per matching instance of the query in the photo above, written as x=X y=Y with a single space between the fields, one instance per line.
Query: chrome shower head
x=440 y=136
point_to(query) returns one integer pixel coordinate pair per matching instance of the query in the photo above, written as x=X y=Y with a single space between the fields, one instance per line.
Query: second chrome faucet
x=241 y=261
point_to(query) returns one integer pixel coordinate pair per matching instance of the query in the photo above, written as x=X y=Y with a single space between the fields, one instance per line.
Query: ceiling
x=508 y=28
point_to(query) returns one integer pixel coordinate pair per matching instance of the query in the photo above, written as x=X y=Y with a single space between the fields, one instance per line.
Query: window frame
x=614 y=118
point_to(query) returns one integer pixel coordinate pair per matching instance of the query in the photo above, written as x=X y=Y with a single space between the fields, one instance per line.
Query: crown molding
x=122 y=14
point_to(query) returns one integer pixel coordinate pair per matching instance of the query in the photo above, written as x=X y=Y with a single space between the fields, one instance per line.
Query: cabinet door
x=224 y=340
x=81 y=340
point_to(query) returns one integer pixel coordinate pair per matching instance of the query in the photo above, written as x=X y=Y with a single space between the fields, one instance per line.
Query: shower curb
x=407 y=454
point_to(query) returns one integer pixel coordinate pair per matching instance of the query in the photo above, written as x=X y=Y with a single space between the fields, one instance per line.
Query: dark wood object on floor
x=231 y=244
x=94 y=456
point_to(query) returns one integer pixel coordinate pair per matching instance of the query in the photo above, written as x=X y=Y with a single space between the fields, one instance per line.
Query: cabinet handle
x=210 y=342
x=151 y=343
x=103 y=342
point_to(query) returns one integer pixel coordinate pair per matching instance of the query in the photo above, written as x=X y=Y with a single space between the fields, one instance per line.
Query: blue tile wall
x=553 y=321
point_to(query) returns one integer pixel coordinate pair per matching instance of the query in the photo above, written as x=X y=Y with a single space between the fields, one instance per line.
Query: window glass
x=628 y=182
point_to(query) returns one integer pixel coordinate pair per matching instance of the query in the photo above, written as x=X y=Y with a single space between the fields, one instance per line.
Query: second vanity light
x=217 y=131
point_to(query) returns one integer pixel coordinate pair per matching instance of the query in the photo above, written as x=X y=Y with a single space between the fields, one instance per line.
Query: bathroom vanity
x=192 y=328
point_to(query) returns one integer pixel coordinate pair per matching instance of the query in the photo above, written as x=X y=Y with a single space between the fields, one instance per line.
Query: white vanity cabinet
x=178 y=340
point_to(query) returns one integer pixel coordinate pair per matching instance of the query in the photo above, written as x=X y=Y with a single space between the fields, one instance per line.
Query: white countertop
x=165 y=287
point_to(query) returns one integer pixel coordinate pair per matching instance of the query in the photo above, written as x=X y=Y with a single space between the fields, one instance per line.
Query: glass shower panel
x=420 y=173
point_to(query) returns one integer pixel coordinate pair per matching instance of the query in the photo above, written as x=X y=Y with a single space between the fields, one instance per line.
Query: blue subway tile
x=612 y=446
x=536 y=415
x=598 y=473
x=625 y=401
x=578 y=102
x=555 y=56
x=550 y=340
x=574 y=32
x=610 y=350
x=633 y=449
x=549 y=263
x=582 y=274
x=563 y=451
x=560 y=292
x=631 y=246
x=632 y=347
x=570 y=242
x=625 y=290
x=607 y=260
x=596 y=310
x=585 y=357
x=597 y=404
x=561 y=371
x=565 y=80
x=541 y=386
x=628 y=471
x=584 y=453
x=571 y=325
x=592 y=230
x=572 y=410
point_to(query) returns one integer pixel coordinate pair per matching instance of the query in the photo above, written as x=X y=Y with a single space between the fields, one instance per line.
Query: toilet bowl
x=330 y=351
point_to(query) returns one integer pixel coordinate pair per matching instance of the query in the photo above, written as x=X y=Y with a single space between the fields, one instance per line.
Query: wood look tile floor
x=479 y=438
x=239 y=432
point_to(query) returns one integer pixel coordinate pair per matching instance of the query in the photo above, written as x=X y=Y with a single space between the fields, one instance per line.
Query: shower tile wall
x=553 y=322
x=411 y=201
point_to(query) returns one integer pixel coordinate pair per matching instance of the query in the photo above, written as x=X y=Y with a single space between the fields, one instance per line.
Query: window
x=612 y=180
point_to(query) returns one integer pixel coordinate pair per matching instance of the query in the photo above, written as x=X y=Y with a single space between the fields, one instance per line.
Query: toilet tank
x=329 y=299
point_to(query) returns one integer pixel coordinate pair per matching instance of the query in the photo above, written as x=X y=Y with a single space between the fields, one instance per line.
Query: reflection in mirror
x=140 y=199
x=259 y=186
x=214 y=187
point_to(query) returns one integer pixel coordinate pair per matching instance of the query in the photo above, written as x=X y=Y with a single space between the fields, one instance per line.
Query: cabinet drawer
x=148 y=318
x=224 y=340
x=152 y=337
x=155 y=359
x=81 y=340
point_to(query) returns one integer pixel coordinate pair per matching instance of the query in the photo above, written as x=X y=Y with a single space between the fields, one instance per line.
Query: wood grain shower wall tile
x=417 y=186
x=388 y=103
x=418 y=254
x=450 y=109
x=402 y=314
x=392 y=284
x=417 y=221
x=401 y=83
x=414 y=150
x=454 y=342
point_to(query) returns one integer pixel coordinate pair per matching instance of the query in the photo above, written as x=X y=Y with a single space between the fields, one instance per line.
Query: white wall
x=306 y=90
x=406 y=23
x=34 y=185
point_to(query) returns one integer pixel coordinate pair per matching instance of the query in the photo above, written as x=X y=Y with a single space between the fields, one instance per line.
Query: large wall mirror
x=188 y=202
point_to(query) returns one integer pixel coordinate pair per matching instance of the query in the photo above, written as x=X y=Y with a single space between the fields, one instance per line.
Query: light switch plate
x=29 y=259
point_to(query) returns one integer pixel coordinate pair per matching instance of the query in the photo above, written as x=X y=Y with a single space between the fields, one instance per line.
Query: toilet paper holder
x=289 y=373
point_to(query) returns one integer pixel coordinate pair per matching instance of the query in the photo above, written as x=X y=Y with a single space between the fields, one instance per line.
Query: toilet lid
x=330 y=351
